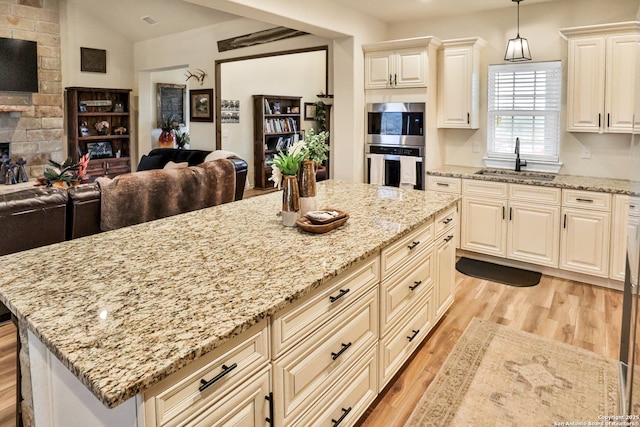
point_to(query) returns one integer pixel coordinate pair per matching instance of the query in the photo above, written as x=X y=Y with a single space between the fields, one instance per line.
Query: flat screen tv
x=18 y=65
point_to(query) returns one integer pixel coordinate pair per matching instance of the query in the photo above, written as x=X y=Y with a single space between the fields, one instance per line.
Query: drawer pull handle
x=345 y=412
x=342 y=293
x=584 y=200
x=632 y=206
x=413 y=245
x=415 y=285
x=344 y=348
x=442 y=184
x=448 y=238
x=225 y=370
x=447 y=221
x=415 y=333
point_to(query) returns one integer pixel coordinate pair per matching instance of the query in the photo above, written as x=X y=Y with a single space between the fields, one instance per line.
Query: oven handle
x=394 y=157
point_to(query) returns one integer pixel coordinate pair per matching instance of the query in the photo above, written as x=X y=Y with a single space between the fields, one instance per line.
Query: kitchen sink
x=511 y=174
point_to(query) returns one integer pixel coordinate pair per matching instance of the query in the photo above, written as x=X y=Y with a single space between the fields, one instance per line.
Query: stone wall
x=37 y=132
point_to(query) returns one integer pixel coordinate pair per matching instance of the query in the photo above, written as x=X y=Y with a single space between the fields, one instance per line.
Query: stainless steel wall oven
x=396 y=129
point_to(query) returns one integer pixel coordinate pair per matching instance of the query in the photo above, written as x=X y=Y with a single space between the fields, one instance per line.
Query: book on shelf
x=267 y=107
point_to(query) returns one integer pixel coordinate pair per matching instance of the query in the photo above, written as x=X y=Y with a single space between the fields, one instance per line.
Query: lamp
x=518 y=48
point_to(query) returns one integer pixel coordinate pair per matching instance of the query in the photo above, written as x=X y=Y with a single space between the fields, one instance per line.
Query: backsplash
x=33 y=123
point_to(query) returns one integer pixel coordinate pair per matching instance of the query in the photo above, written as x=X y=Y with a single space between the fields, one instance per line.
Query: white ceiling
x=411 y=10
x=174 y=16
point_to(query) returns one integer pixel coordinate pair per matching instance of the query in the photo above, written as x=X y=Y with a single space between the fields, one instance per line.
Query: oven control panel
x=397 y=151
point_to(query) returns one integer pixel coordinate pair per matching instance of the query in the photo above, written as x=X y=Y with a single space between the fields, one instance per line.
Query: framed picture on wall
x=201 y=105
x=309 y=111
x=170 y=102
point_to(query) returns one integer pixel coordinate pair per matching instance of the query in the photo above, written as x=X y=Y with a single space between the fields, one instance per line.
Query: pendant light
x=518 y=48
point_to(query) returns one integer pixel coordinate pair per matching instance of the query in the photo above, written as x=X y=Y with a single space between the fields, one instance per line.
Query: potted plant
x=65 y=174
x=284 y=169
x=315 y=152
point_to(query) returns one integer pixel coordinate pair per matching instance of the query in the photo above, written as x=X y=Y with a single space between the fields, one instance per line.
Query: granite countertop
x=125 y=308
x=607 y=185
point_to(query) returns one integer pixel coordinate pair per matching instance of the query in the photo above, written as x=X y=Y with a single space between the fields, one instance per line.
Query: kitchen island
x=125 y=309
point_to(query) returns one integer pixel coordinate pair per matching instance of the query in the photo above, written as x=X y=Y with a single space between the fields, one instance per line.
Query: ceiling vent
x=149 y=20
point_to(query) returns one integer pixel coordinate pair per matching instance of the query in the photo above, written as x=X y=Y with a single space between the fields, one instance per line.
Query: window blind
x=524 y=102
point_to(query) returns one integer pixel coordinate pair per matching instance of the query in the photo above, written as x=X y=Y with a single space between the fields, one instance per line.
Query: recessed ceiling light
x=149 y=20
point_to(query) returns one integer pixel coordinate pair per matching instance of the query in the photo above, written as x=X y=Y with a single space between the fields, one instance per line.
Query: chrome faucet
x=519 y=163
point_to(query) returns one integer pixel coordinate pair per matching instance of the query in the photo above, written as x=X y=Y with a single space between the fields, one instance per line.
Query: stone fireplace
x=33 y=123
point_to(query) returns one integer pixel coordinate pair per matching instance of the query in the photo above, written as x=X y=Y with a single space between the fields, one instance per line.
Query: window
x=524 y=103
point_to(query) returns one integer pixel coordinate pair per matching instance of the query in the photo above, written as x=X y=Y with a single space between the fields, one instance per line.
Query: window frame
x=547 y=134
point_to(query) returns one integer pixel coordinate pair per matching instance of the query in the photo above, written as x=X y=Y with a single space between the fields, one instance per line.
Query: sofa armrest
x=241 y=175
x=32 y=218
x=83 y=211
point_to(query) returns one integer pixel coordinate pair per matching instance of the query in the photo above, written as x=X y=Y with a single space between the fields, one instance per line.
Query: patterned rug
x=497 y=376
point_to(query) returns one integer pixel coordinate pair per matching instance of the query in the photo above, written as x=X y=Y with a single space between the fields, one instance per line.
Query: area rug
x=497 y=376
x=498 y=273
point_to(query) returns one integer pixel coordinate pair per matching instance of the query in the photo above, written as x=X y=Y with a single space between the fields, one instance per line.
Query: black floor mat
x=497 y=273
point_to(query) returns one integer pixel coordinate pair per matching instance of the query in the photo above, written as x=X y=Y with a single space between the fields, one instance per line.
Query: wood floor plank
x=7 y=374
x=566 y=311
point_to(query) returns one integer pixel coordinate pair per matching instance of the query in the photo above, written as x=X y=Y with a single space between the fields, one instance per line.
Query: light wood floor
x=583 y=315
x=7 y=374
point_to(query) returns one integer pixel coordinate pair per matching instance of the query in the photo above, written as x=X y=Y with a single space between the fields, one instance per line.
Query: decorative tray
x=307 y=225
x=325 y=216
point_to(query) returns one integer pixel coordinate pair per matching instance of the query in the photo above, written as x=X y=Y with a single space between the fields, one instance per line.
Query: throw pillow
x=174 y=165
x=150 y=162
x=219 y=154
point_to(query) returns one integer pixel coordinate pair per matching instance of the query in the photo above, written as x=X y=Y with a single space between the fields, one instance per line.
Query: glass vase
x=166 y=139
x=290 y=200
x=307 y=184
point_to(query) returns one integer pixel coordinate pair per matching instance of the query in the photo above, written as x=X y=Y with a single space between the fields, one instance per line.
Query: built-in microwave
x=396 y=123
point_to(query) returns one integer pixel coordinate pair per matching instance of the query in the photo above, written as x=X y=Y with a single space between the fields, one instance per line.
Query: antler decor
x=199 y=75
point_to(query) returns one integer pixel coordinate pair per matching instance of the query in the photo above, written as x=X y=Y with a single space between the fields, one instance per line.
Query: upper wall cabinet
x=601 y=77
x=458 y=83
x=397 y=63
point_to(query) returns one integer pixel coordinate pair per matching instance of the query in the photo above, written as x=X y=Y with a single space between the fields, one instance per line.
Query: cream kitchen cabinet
x=484 y=207
x=406 y=308
x=199 y=392
x=445 y=260
x=459 y=83
x=626 y=229
x=601 y=64
x=534 y=224
x=396 y=69
x=399 y=63
x=514 y=221
x=584 y=239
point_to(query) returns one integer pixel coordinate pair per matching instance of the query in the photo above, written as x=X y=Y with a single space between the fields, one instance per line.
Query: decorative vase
x=290 y=200
x=166 y=139
x=307 y=185
x=103 y=131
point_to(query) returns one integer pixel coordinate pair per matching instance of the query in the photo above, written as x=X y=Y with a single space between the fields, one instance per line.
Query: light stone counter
x=587 y=183
x=126 y=308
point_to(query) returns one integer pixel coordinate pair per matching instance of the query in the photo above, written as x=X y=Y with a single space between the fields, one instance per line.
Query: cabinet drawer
x=303 y=316
x=349 y=398
x=306 y=372
x=446 y=220
x=246 y=406
x=400 y=342
x=586 y=200
x=400 y=292
x=474 y=187
x=174 y=399
x=444 y=183
x=535 y=194
x=405 y=249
